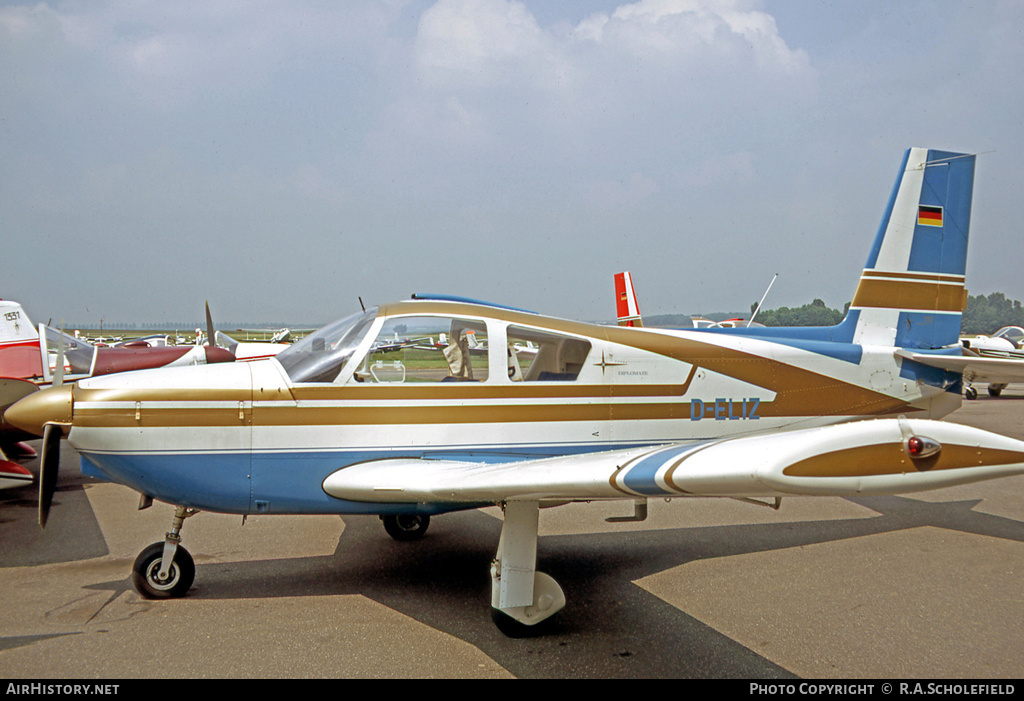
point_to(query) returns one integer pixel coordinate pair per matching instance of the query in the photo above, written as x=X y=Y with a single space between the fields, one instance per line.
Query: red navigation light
x=918 y=447
x=915 y=446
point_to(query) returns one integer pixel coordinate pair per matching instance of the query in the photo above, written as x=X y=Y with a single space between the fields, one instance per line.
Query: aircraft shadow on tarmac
x=77 y=536
x=610 y=628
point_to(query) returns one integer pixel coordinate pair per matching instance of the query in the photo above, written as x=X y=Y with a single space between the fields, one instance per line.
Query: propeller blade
x=58 y=370
x=49 y=465
x=211 y=336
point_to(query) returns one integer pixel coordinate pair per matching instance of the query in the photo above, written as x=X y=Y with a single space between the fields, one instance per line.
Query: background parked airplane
x=1006 y=348
x=628 y=309
x=997 y=360
x=32 y=357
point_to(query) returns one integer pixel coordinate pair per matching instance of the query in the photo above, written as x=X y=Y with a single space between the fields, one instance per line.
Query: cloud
x=173 y=53
x=691 y=30
x=479 y=41
x=465 y=44
x=496 y=128
x=491 y=81
x=482 y=41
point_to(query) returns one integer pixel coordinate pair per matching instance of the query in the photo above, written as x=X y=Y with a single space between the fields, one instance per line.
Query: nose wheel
x=165 y=570
x=151 y=584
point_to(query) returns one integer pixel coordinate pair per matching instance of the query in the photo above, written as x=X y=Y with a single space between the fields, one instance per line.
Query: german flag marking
x=929 y=216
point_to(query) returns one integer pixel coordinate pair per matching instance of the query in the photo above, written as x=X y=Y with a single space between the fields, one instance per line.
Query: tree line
x=982 y=315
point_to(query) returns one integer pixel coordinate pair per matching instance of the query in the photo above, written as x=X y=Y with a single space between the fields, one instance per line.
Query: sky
x=283 y=159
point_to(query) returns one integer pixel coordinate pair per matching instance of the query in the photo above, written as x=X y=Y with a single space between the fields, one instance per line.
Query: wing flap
x=851 y=459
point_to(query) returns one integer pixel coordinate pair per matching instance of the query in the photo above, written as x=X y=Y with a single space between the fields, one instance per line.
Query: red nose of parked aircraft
x=115 y=360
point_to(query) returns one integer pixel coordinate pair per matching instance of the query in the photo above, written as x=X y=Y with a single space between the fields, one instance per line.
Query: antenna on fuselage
x=361 y=304
x=758 y=307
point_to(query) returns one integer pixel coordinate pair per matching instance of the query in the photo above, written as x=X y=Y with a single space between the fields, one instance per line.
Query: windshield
x=77 y=353
x=224 y=341
x=1010 y=333
x=320 y=356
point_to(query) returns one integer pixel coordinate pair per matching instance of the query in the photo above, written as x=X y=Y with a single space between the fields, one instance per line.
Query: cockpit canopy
x=1013 y=334
x=78 y=355
x=419 y=344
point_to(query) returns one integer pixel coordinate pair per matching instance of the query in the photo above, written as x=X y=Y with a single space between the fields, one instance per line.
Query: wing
x=973 y=368
x=885 y=456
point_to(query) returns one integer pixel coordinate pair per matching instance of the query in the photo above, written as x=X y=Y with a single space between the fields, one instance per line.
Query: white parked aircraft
x=997 y=359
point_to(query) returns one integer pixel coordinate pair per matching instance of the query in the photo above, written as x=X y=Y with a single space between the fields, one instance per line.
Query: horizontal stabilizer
x=973 y=368
x=885 y=456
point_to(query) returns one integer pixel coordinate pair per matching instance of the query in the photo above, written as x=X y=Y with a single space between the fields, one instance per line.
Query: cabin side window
x=543 y=356
x=426 y=349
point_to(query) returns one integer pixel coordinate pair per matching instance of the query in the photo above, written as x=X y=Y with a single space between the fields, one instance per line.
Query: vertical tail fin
x=14 y=323
x=19 y=343
x=626 y=308
x=911 y=293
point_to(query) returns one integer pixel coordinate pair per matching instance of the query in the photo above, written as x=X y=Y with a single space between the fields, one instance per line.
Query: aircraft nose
x=215 y=354
x=39 y=408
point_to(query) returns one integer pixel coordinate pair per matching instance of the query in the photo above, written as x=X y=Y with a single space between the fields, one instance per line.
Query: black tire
x=971 y=393
x=147 y=567
x=995 y=390
x=513 y=628
x=406 y=527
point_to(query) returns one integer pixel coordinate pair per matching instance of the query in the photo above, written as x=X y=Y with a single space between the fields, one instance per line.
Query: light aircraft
x=19 y=357
x=702 y=323
x=627 y=308
x=997 y=359
x=19 y=342
x=600 y=413
x=248 y=350
x=32 y=357
x=279 y=336
x=30 y=353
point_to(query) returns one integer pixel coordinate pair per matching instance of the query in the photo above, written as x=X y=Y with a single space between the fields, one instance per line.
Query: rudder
x=626 y=308
x=911 y=293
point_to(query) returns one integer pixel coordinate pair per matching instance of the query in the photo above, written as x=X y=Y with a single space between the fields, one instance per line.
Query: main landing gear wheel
x=146 y=573
x=971 y=393
x=512 y=628
x=406 y=527
x=521 y=597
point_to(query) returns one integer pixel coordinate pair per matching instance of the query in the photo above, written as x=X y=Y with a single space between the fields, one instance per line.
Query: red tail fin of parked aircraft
x=625 y=301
